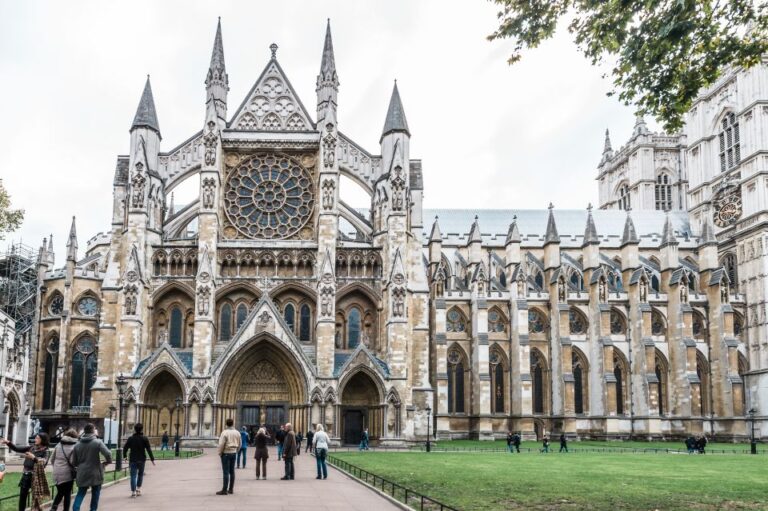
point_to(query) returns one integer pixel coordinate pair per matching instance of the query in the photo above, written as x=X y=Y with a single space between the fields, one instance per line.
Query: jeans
x=289 y=472
x=261 y=466
x=164 y=447
x=95 y=493
x=363 y=445
x=241 y=453
x=279 y=451
x=322 y=468
x=137 y=474
x=228 y=470
x=510 y=447
x=63 y=493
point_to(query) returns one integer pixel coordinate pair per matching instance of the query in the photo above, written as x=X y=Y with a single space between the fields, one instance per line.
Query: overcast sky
x=490 y=135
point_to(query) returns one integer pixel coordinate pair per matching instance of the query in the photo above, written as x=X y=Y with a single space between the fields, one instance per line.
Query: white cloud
x=489 y=134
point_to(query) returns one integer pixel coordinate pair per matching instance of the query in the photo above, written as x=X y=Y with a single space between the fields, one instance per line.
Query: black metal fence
x=397 y=491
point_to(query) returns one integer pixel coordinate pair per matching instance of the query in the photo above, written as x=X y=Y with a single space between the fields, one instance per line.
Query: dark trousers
x=81 y=491
x=228 y=470
x=63 y=494
x=289 y=468
x=137 y=474
x=241 y=454
x=25 y=485
x=261 y=466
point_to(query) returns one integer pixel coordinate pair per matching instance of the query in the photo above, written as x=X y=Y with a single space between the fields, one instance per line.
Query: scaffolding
x=18 y=287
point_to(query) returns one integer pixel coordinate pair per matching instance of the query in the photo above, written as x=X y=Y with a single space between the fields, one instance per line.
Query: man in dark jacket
x=279 y=437
x=516 y=442
x=310 y=436
x=90 y=469
x=563 y=443
x=289 y=451
x=139 y=446
x=165 y=439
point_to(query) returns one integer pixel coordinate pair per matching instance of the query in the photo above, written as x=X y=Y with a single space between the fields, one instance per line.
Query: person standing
x=64 y=468
x=139 y=446
x=320 y=446
x=299 y=439
x=364 y=440
x=289 y=452
x=164 y=440
x=516 y=442
x=563 y=443
x=90 y=469
x=510 y=439
x=33 y=474
x=545 y=444
x=310 y=435
x=229 y=444
x=262 y=452
x=279 y=437
x=244 y=441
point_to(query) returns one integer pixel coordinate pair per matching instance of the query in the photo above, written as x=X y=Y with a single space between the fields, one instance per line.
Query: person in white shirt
x=320 y=445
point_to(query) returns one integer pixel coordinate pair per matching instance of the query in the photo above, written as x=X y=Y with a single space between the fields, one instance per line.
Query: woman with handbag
x=63 y=469
x=33 y=476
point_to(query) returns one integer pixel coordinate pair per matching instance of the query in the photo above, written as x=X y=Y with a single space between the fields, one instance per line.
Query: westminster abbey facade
x=268 y=299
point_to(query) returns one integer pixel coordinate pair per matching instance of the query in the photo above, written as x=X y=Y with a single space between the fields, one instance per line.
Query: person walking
x=545 y=444
x=364 y=440
x=516 y=442
x=229 y=444
x=164 y=442
x=563 y=443
x=320 y=443
x=310 y=436
x=279 y=437
x=299 y=439
x=139 y=447
x=701 y=444
x=90 y=469
x=510 y=440
x=262 y=452
x=244 y=441
x=289 y=452
x=33 y=472
x=64 y=468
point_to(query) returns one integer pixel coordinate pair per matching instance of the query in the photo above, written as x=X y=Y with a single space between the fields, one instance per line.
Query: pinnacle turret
x=146 y=115
x=217 y=68
x=474 y=232
x=640 y=127
x=551 y=235
x=513 y=234
x=328 y=63
x=435 y=235
x=707 y=233
x=668 y=234
x=630 y=234
x=590 y=232
x=72 y=242
x=395 y=121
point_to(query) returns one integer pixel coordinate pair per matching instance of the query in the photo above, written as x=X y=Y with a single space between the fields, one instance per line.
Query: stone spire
x=327 y=88
x=668 y=234
x=707 y=232
x=513 y=234
x=435 y=235
x=590 y=233
x=217 y=68
x=474 y=232
x=640 y=127
x=146 y=116
x=328 y=63
x=395 y=115
x=630 y=234
x=551 y=235
x=51 y=253
x=607 y=146
x=72 y=243
x=217 y=81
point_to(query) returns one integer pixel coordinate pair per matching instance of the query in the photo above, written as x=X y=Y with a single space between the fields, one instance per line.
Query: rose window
x=269 y=196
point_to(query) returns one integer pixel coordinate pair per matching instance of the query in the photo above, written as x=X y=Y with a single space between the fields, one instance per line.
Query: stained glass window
x=242 y=313
x=57 y=305
x=225 y=322
x=455 y=382
x=305 y=323
x=353 y=328
x=83 y=376
x=88 y=306
x=175 y=333
x=657 y=324
x=578 y=325
x=495 y=321
x=289 y=313
x=535 y=322
x=49 y=379
x=617 y=323
x=455 y=321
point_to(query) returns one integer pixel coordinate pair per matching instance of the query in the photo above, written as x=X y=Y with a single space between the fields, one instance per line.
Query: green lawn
x=10 y=486
x=590 y=444
x=579 y=480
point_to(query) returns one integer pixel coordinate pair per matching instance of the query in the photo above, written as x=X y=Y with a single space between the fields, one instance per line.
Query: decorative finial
x=551 y=206
x=475 y=217
x=514 y=217
x=273 y=49
x=589 y=207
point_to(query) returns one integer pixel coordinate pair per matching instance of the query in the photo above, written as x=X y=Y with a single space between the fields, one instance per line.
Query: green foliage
x=10 y=219
x=595 y=481
x=663 y=52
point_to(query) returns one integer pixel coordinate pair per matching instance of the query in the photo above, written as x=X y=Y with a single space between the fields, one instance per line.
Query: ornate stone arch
x=458 y=378
x=618 y=321
x=658 y=323
x=539 y=370
x=499 y=369
x=378 y=382
x=147 y=378
x=580 y=372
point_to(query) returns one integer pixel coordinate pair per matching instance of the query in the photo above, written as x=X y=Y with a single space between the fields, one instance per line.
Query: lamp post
x=178 y=413
x=429 y=429
x=121 y=383
x=752 y=442
x=112 y=411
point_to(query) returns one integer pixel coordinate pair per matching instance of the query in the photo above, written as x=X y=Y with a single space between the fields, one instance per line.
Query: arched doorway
x=158 y=412
x=263 y=386
x=360 y=408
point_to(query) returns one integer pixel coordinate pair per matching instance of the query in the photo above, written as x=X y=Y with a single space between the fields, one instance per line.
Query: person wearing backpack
x=63 y=468
x=139 y=446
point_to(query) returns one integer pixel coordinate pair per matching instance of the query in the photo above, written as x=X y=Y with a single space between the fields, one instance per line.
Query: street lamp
x=112 y=411
x=121 y=384
x=178 y=413
x=429 y=429
x=752 y=442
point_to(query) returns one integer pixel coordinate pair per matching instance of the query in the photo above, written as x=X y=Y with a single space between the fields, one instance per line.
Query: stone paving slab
x=192 y=484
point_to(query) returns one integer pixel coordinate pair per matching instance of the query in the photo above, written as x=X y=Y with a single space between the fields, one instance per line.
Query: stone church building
x=269 y=299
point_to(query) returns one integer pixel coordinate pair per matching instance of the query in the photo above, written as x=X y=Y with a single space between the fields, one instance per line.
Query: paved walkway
x=190 y=485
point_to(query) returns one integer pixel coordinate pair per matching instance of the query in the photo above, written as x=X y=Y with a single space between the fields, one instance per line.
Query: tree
x=10 y=219
x=662 y=52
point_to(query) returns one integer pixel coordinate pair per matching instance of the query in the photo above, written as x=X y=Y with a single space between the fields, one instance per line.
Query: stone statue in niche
x=329 y=146
x=130 y=301
x=328 y=195
x=326 y=297
x=210 y=140
x=398 y=302
x=643 y=291
x=602 y=290
x=138 y=184
x=684 y=293
x=561 y=292
x=209 y=185
x=724 y=294
x=203 y=300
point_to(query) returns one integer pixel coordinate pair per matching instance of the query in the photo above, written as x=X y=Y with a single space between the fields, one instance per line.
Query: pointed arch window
x=498 y=392
x=305 y=323
x=537 y=374
x=698 y=326
x=455 y=321
x=242 y=313
x=730 y=143
x=495 y=321
x=225 y=323
x=455 y=382
x=177 y=325
x=577 y=322
x=56 y=306
x=729 y=263
x=738 y=325
x=624 y=200
x=662 y=382
x=620 y=374
x=536 y=322
x=702 y=371
x=83 y=372
x=658 y=326
x=579 y=369
x=49 y=378
x=289 y=314
x=618 y=326
x=353 y=328
x=663 y=192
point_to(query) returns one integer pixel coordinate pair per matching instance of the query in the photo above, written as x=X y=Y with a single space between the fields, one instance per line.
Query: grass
x=579 y=480
x=554 y=443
